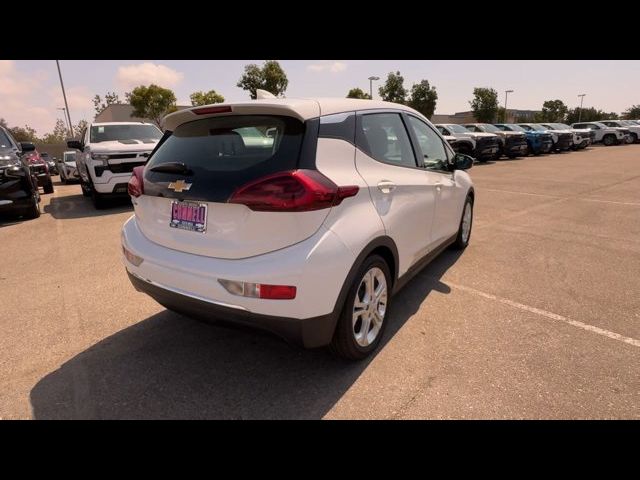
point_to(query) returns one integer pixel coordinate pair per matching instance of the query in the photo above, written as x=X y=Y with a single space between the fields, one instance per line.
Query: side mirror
x=27 y=147
x=462 y=162
x=74 y=144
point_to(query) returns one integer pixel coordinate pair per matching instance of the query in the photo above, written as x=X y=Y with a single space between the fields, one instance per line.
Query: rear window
x=224 y=153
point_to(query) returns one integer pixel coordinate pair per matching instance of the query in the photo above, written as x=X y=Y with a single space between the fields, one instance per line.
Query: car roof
x=301 y=108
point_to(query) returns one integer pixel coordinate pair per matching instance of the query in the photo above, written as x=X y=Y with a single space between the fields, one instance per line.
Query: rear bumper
x=308 y=332
x=317 y=266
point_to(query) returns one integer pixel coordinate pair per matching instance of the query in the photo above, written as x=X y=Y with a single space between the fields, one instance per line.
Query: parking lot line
x=544 y=313
x=597 y=200
x=522 y=193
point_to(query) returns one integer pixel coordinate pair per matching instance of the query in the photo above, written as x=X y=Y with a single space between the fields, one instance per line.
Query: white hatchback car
x=298 y=216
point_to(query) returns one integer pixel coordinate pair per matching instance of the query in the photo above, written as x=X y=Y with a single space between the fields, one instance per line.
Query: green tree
x=270 y=77
x=110 y=98
x=358 y=93
x=24 y=134
x=423 y=98
x=632 y=113
x=205 y=98
x=81 y=125
x=152 y=102
x=393 y=89
x=554 y=111
x=60 y=133
x=484 y=104
x=589 y=114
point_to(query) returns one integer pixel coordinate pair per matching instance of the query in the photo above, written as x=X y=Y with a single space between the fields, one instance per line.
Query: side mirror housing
x=74 y=144
x=27 y=147
x=462 y=162
x=15 y=172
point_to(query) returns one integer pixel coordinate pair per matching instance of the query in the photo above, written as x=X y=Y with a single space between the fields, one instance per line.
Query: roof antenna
x=261 y=94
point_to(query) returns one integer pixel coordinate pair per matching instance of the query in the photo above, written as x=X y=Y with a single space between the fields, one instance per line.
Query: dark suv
x=18 y=187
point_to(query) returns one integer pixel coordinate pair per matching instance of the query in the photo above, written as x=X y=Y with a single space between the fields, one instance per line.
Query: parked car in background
x=307 y=234
x=481 y=146
x=53 y=169
x=632 y=128
x=40 y=169
x=18 y=187
x=603 y=134
x=582 y=138
x=107 y=154
x=67 y=167
x=562 y=139
x=538 y=142
x=512 y=144
x=452 y=141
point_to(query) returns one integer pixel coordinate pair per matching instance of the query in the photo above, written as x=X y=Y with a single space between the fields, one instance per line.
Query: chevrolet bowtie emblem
x=179 y=186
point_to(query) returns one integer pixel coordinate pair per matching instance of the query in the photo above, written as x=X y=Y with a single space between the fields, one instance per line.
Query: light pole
x=66 y=120
x=506 y=94
x=64 y=95
x=371 y=79
x=582 y=95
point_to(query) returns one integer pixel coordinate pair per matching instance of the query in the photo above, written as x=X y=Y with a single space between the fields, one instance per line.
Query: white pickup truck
x=607 y=135
x=107 y=154
x=633 y=128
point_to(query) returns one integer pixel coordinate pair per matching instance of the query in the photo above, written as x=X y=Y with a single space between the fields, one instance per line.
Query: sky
x=30 y=90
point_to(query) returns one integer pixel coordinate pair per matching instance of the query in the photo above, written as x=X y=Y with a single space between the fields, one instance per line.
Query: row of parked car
x=485 y=141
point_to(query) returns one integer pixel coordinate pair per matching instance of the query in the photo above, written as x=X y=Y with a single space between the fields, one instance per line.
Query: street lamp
x=506 y=94
x=371 y=79
x=66 y=120
x=64 y=95
x=582 y=95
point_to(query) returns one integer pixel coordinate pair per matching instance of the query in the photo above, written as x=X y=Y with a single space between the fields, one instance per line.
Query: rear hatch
x=197 y=183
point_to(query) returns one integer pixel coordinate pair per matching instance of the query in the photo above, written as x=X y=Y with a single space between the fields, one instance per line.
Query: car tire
x=466 y=222
x=98 y=199
x=634 y=138
x=609 y=140
x=350 y=341
x=86 y=191
x=48 y=187
x=34 y=210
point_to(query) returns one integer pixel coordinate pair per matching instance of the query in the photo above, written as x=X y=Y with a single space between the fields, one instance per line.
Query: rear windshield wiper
x=172 y=167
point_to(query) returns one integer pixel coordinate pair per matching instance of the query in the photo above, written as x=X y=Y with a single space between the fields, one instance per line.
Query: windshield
x=628 y=123
x=561 y=126
x=489 y=128
x=70 y=156
x=537 y=128
x=514 y=128
x=4 y=140
x=457 y=128
x=108 y=133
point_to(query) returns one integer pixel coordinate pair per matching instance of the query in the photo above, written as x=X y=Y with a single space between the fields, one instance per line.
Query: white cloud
x=334 y=67
x=12 y=84
x=147 y=73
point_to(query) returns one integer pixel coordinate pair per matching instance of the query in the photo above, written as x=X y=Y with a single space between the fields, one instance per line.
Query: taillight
x=259 y=290
x=292 y=191
x=136 y=183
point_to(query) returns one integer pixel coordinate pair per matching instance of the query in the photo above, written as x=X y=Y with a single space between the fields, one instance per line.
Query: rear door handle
x=386 y=186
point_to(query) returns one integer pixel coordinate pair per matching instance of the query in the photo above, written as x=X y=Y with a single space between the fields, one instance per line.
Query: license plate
x=189 y=216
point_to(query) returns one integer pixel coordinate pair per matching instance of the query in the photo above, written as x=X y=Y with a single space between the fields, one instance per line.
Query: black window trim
x=375 y=111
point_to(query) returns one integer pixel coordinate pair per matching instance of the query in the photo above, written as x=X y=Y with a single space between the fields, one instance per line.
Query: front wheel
x=34 y=209
x=466 y=222
x=609 y=140
x=362 y=320
x=98 y=199
x=48 y=187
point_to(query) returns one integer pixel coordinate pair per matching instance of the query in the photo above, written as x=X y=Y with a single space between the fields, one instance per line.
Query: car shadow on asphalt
x=78 y=206
x=171 y=367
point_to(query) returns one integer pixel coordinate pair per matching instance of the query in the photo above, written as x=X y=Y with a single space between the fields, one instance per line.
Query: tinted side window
x=433 y=149
x=383 y=136
x=340 y=125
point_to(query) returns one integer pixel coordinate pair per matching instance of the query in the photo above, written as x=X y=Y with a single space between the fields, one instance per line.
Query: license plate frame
x=189 y=216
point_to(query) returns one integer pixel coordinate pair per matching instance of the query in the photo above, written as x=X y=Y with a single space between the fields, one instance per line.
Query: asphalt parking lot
x=538 y=318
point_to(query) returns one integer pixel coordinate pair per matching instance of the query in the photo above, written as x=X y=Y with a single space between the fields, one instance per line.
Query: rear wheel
x=362 y=320
x=634 y=138
x=48 y=186
x=33 y=211
x=609 y=140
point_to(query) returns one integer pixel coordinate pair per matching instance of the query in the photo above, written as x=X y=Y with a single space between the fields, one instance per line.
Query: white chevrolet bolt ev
x=298 y=216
